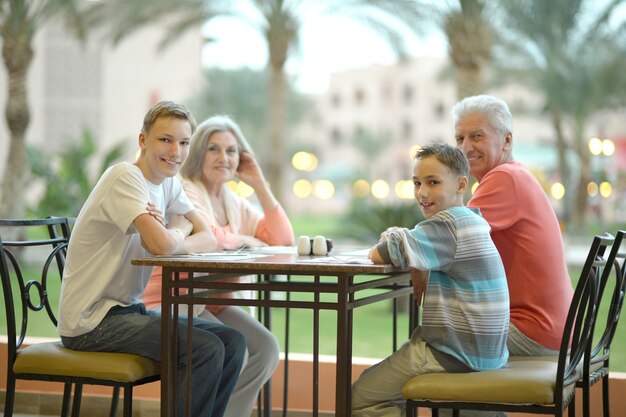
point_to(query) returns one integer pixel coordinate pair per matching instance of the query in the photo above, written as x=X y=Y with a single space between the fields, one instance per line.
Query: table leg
x=166 y=307
x=316 y=349
x=286 y=362
x=394 y=324
x=344 y=348
x=266 y=402
x=188 y=353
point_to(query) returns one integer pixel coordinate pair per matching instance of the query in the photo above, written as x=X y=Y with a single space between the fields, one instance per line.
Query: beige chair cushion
x=530 y=381
x=51 y=358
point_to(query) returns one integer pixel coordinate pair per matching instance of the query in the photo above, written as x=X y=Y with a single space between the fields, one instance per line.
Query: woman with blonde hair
x=219 y=152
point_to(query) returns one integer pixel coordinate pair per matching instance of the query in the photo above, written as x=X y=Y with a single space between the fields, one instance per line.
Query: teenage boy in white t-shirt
x=100 y=306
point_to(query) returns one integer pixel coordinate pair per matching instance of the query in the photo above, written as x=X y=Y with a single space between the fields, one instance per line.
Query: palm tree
x=468 y=28
x=470 y=40
x=19 y=22
x=279 y=23
x=567 y=50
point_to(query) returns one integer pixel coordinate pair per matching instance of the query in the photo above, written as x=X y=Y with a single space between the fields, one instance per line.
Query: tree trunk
x=565 y=171
x=279 y=36
x=17 y=54
x=469 y=82
x=581 y=203
x=470 y=41
x=276 y=120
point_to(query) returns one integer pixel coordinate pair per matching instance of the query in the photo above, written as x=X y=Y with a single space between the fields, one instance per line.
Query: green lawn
x=325 y=225
x=372 y=330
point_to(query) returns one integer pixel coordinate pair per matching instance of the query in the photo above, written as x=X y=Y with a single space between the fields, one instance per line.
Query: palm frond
x=121 y=18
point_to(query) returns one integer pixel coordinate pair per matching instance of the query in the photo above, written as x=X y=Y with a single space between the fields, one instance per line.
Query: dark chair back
x=599 y=351
x=32 y=259
x=26 y=283
x=596 y=360
x=534 y=385
x=581 y=318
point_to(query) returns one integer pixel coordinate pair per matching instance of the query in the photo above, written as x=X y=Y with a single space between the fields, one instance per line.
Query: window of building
x=408 y=94
x=407 y=130
x=335 y=136
x=359 y=96
x=439 y=111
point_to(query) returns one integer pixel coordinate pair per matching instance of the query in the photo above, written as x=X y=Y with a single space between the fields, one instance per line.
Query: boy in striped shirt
x=457 y=269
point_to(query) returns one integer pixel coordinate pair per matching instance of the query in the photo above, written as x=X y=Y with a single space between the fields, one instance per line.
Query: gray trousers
x=262 y=358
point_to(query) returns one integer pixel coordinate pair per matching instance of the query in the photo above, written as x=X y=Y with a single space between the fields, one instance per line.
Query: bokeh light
x=380 y=189
x=302 y=188
x=360 y=189
x=404 y=189
x=608 y=147
x=592 y=189
x=304 y=161
x=474 y=187
x=595 y=146
x=557 y=191
x=606 y=189
x=323 y=189
x=232 y=185
x=599 y=147
x=244 y=189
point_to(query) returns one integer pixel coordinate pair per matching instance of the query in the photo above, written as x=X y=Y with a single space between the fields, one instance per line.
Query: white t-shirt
x=98 y=273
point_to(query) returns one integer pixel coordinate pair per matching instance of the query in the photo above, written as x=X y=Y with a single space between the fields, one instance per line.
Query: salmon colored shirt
x=272 y=227
x=526 y=232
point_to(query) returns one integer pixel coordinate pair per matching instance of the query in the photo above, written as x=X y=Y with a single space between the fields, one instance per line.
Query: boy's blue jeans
x=217 y=353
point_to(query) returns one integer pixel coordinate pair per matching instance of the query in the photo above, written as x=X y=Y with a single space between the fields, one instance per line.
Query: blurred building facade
x=106 y=89
x=370 y=119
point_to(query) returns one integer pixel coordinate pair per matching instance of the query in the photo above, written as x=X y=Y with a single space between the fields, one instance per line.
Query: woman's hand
x=249 y=170
x=250 y=173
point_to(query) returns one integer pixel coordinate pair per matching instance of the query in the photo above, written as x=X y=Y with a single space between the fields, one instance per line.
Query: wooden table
x=346 y=279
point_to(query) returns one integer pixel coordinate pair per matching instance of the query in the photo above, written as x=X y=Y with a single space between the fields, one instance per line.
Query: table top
x=351 y=260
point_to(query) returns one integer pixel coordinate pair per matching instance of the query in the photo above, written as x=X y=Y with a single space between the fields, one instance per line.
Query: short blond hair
x=167 y=109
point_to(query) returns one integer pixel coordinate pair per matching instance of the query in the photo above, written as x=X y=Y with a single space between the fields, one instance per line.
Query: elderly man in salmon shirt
x=523 y=224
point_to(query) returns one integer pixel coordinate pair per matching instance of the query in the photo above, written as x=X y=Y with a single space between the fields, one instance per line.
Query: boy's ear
x=141 y=140
x=463 y=184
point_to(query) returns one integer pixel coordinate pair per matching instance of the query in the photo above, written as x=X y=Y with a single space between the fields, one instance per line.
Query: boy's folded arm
x=155 y=238
x=202 y=238
x=379 y=254
x=177 y=238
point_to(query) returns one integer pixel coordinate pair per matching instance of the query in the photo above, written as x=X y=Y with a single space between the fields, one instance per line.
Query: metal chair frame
x=577 y=335
x=15 y=280
x=596 y=359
